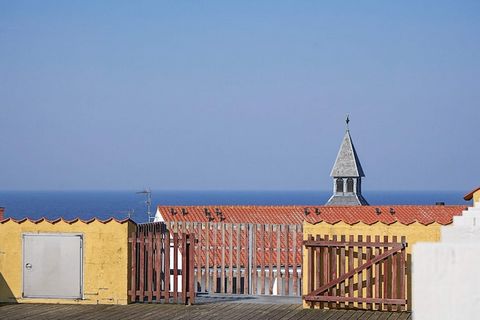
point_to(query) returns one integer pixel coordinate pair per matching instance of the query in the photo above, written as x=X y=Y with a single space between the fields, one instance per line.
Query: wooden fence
x=356 y=273
x=246 y=258
x=162 y=265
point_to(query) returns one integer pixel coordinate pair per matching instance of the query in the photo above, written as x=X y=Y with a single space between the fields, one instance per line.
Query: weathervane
x=347 y=120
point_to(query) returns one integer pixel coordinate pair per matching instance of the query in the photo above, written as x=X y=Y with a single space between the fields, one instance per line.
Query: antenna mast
x=148 y=201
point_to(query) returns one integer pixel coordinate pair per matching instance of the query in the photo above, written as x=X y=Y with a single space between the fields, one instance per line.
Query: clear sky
x=248 y=95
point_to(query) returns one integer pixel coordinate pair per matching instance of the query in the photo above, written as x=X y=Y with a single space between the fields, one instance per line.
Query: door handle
x=28 y=266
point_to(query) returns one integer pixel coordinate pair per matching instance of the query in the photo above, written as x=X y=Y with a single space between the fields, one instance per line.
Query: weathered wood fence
x=162 y=265
x=356 y=272
x=245 y=258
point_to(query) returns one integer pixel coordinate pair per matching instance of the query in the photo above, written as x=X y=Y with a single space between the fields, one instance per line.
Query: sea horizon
x=120 y=204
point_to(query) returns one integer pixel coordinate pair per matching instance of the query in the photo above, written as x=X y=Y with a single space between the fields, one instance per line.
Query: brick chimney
x=2 y=211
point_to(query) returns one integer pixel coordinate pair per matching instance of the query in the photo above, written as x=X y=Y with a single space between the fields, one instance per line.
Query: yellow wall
x=414 y=232
x=106 y=260
x=476 y=197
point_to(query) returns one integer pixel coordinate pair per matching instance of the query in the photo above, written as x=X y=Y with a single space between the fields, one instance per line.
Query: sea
x=122 y=204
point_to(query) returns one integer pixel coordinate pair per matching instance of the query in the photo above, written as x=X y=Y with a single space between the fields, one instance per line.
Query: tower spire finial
x=347 y=120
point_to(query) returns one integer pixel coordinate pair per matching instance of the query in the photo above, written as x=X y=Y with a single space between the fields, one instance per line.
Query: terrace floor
x=231 y=310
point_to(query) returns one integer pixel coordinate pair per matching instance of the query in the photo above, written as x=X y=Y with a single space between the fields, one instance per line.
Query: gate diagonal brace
x=395 y=247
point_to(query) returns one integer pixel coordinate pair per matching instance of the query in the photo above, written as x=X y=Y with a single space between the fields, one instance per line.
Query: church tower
x=347 y=175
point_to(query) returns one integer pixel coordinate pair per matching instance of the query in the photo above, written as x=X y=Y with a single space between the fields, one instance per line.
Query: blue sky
x=204 y=95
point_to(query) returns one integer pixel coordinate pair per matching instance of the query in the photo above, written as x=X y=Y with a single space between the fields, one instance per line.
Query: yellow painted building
x=105 y=261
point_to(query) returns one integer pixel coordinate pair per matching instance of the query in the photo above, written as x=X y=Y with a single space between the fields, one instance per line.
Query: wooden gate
x=241 y=258
x=162 y=265
x=356 y=273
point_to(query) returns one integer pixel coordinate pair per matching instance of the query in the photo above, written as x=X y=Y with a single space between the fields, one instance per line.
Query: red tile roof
x=386 y=214
x=404 y=214
x=54 y=221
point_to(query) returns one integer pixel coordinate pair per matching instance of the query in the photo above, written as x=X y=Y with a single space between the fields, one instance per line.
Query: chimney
x=2 y=211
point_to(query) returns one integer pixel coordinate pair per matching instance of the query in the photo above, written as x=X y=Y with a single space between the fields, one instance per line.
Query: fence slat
x=287 y=260
x=320 y=276
x=394 y=262
x=175 y=267
x=207 y=258
x=350 y=268
x=158 y=264
x=239 y=249
x=294 y=270
x=199 y=243
x=279 y=265
x=368 y=273
x=333 y=267
x=311 y=266
x=378 y=275
x=386 y=294
x=190 y=269
x=402 y=273
x=166 y=265
x=215 y=255
x=142 y=267
x=253 y=266
x=230 y=260
x=262 y=259
x=222 y=270
x=184 y=263
x=270 y=260
x=341 y=270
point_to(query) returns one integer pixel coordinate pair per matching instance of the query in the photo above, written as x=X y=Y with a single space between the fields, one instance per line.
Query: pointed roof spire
x=347 y=163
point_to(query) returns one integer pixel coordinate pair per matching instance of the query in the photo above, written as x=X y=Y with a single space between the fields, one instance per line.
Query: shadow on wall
x=6 y=294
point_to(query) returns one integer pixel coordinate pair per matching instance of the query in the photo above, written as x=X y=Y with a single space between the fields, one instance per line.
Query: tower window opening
x=339 y=185
x=349 y=185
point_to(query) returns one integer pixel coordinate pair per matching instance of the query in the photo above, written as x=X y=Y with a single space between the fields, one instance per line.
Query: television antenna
x=148 y=201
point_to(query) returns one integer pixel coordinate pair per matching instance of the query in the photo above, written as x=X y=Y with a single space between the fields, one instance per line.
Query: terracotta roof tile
x=403 y=214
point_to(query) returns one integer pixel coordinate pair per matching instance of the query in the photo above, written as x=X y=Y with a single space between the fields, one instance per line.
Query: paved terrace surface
x=221 y=310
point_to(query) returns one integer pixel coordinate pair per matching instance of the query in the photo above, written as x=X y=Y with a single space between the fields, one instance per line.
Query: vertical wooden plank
x=333 y=268
x=230 y=260
x=287 y=260
x=386 y=271
x=326 y=268
x=133 y=284
x=368 y=280
x=149 y=266
x=394 y=262
x=222 y=270
x=279 y=264
x=402 y=273
x=239 y=249
x=378 y=275
x=311 y=266
x=142 y=267
x=350 y=268
x=247 y=272
x=191 y=270
x=198 y=254
x=166 y=265
x=318 y=274
x=295 y=263
x=360 y=274
x=254 y=248
x=341 y=269
x=207 y=258
x=184 y=267
x=270 y=260
x=262 y=258
x=158 y=263
x=215 y=256
x=175 y=267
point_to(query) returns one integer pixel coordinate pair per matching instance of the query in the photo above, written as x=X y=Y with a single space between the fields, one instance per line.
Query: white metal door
x=52 y=265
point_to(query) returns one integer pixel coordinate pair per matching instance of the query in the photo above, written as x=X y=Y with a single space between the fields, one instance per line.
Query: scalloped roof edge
x=72 y=221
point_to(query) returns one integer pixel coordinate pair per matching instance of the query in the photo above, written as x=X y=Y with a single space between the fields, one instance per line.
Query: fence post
x=250 y=257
